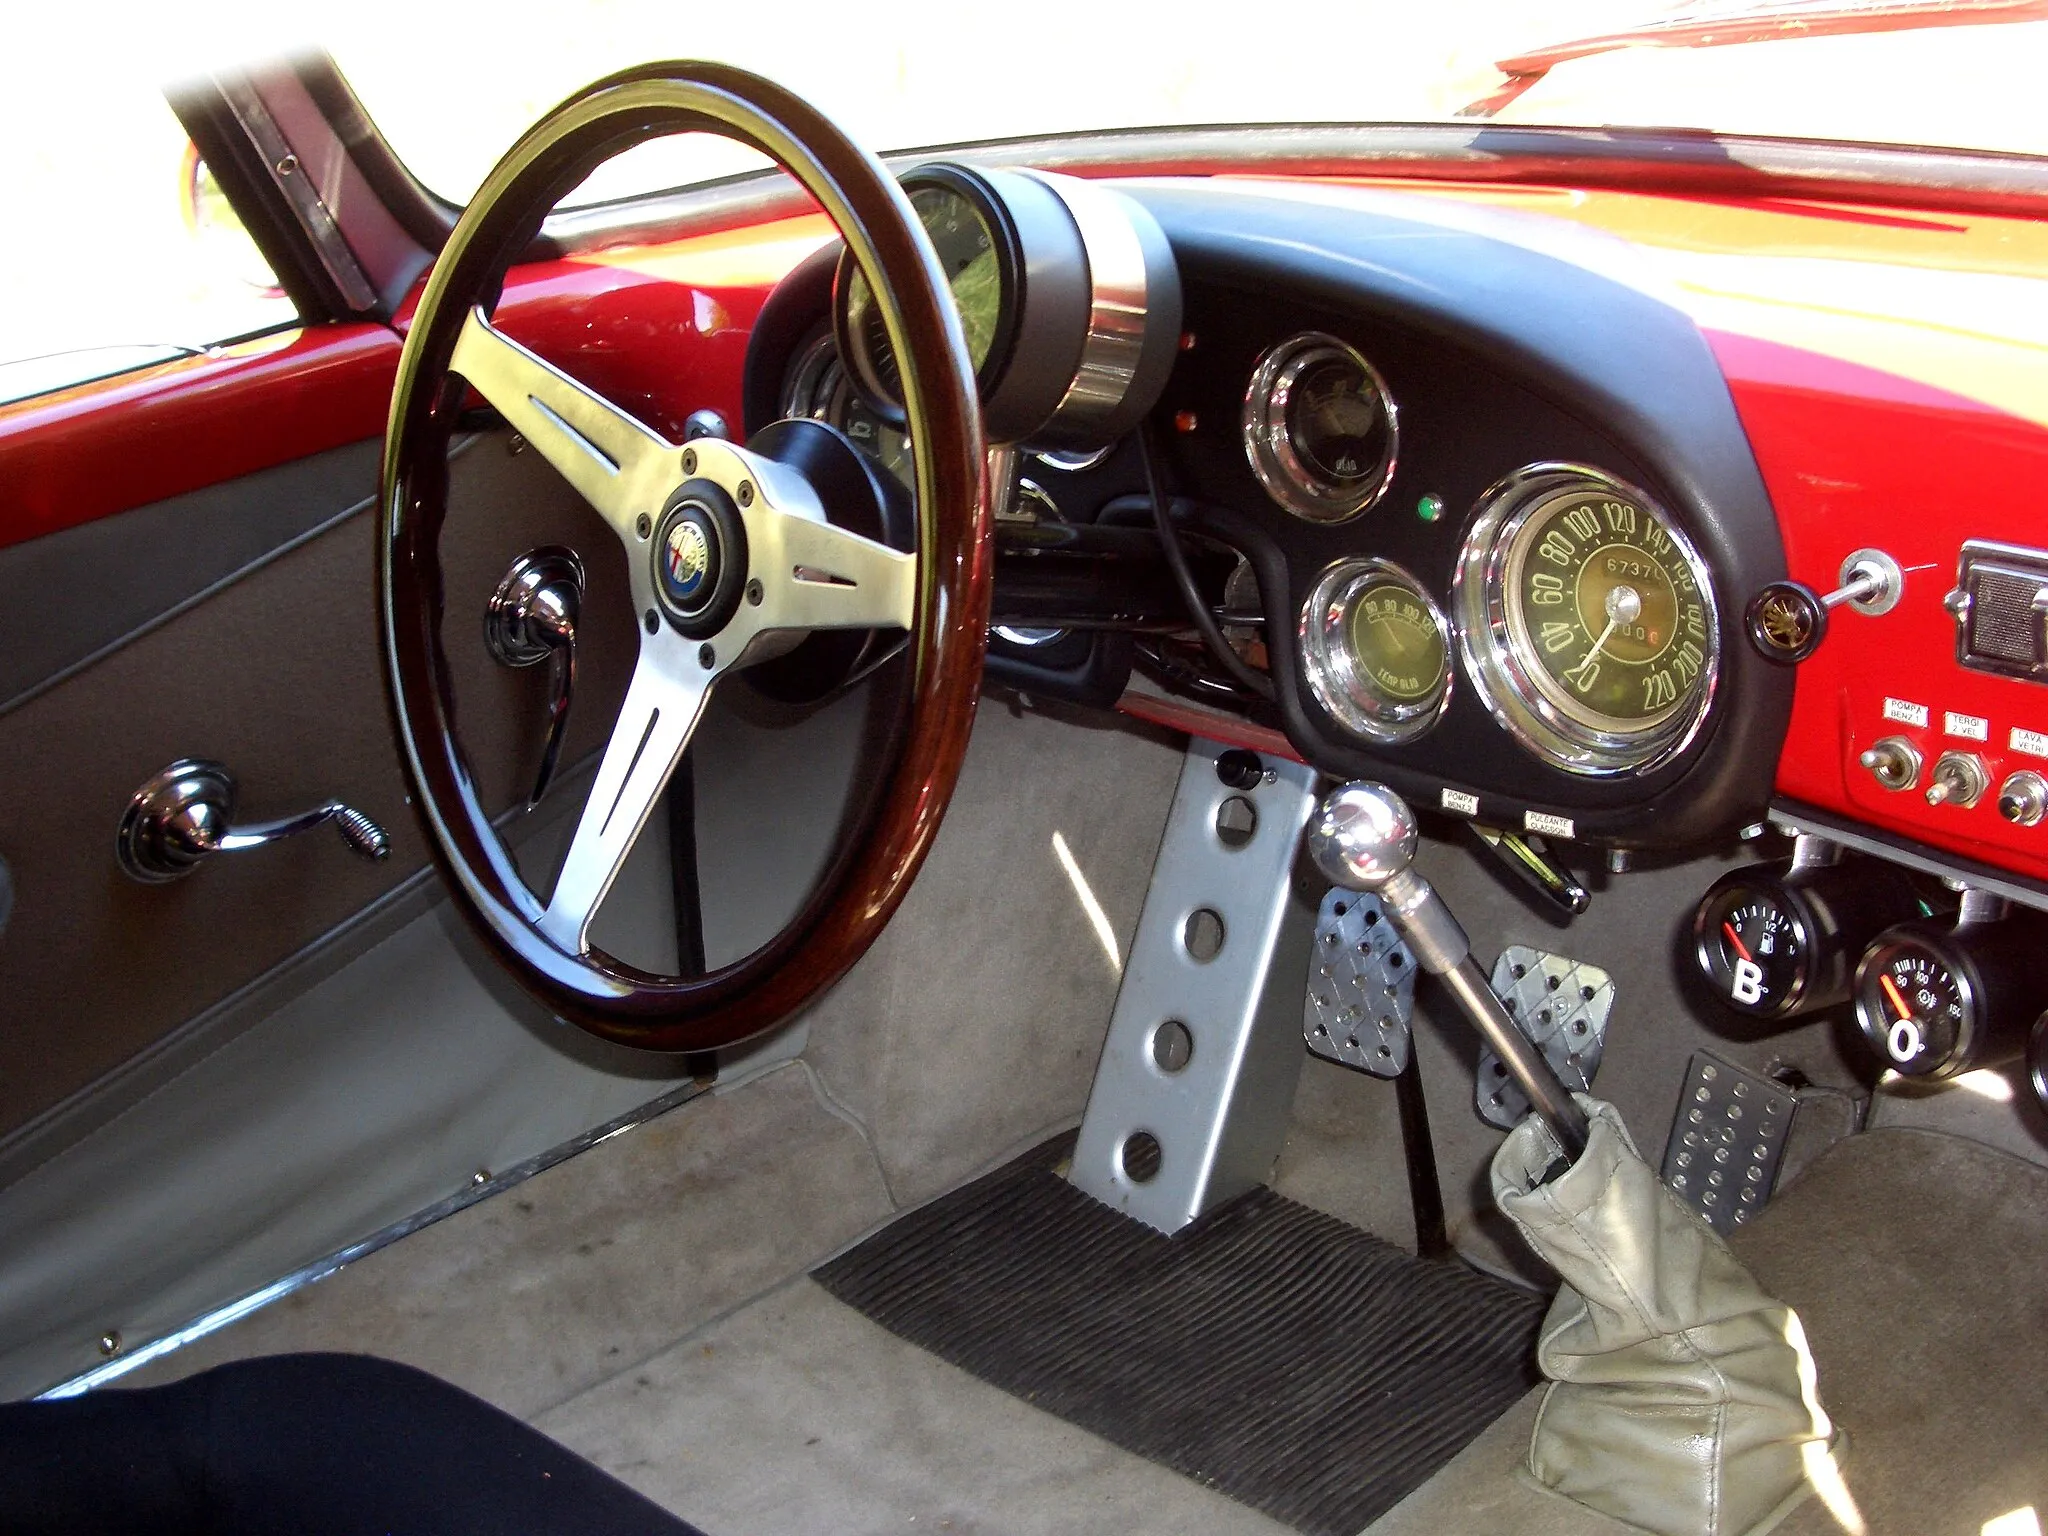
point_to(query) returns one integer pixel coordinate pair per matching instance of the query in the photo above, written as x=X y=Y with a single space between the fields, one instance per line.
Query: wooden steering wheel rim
x=873 y=869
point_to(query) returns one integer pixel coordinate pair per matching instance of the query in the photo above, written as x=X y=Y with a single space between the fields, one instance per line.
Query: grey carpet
x=1919 y=1265
x=1268 y=1351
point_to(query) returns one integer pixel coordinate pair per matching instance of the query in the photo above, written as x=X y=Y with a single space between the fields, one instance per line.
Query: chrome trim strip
x=321 y=1268
x=1117 y=301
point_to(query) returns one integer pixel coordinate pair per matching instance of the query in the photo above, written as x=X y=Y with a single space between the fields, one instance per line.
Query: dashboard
x=1484 y=515
x=1642 y=543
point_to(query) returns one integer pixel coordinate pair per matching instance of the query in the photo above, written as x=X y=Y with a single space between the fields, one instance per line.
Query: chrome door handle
x=184 y=815
x=531 y=618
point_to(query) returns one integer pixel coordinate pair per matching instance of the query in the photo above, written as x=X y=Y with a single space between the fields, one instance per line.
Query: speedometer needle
x=1624 y=606
x=1891 y=990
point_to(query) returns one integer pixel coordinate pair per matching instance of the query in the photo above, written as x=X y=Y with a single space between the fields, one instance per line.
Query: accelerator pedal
x=1727 y=1141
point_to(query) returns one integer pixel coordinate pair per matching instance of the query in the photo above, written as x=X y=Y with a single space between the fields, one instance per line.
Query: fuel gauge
x=1754 y=946
x=1780 y=939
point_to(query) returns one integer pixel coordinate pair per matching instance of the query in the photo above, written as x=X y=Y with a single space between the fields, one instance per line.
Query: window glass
x=118 y=252
x=452 y=95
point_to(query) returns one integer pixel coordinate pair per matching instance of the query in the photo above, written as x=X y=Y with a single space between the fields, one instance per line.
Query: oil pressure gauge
x=1935 y=1001
x=1777 y=940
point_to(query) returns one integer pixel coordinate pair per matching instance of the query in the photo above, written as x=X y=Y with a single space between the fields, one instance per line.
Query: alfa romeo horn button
x=686 y=562
x=698 y=559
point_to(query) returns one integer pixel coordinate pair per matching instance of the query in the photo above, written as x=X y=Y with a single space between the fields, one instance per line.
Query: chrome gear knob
x=1363 y=835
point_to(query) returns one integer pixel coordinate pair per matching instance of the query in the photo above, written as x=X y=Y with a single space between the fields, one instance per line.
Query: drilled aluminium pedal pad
x=1562 y=1005
x=1361 y=987
x=1726 y=1144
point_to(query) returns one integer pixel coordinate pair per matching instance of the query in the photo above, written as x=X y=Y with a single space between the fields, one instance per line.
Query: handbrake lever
x=1362 y=838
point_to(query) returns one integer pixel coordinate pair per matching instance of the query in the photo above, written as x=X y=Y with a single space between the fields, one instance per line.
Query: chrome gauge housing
x=1587 y=620
x=817 y=387
x=1069 y=302
x=1320 y=429
x=1376 y=650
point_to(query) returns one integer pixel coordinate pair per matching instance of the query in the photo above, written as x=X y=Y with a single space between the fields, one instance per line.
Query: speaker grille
x=2001 y=609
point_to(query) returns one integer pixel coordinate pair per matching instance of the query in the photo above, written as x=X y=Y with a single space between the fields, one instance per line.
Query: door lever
x=185 y=814
x=531 y=618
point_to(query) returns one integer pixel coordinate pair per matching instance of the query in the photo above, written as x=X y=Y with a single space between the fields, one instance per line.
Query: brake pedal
x=1361 y=987
x=1562 y=1005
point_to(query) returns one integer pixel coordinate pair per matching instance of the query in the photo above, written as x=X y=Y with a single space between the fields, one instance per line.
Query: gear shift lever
x=1362 y=838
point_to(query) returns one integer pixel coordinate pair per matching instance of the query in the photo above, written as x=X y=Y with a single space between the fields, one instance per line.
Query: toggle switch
x=1894 y=762
x=1958 y=779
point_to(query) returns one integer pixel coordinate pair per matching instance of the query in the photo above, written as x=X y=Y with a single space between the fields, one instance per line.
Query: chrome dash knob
x=2023 y=798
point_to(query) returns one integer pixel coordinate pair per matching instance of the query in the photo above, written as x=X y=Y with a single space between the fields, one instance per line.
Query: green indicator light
x=1430 y=508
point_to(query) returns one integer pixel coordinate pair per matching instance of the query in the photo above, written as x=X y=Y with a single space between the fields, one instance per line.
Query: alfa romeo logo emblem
x=686 y=559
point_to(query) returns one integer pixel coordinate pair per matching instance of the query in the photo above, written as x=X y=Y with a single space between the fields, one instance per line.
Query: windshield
x=452 y=95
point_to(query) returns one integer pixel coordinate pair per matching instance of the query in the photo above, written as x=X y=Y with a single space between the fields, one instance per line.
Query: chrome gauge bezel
x=1329 y=661
x=1288 y=478
x=1497 y=650
x=1954 y=962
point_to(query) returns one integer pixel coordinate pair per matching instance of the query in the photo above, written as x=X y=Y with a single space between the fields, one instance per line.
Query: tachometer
x=1376 y=650
x=966 y=247
x=1588 y=620
x=1069 y=360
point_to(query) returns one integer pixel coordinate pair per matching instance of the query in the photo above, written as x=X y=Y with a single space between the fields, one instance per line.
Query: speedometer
x=1588 y=620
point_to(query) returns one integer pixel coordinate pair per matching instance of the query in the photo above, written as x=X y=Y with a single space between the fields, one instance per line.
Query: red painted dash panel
x=1857 y=457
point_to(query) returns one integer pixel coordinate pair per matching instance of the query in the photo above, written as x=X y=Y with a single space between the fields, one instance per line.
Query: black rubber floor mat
x=1268 y=1351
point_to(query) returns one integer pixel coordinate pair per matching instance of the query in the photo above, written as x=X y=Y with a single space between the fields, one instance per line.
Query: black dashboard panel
x=1505 y=341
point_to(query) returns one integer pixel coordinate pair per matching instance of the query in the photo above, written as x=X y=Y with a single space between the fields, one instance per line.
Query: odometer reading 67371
x=1608 y=608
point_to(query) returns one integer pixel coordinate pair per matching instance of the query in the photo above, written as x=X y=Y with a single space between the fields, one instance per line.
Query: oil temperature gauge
x=1935 y=1001
x=1775 y=940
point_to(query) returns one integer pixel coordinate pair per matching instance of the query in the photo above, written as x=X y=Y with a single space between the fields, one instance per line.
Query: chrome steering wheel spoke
x=663 y=704
x=619 y=466
x=797 y=573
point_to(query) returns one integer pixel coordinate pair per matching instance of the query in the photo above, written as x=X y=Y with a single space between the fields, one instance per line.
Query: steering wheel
x=732 y=556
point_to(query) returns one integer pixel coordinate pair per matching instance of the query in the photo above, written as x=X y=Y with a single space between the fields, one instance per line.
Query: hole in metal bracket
x=1173 y=1046
x=1202 y=934
x=1237 y=820
x=1140 y=1157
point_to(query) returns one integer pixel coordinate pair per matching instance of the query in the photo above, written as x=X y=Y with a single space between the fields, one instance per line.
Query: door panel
x=275 y=674
x=83 y=590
